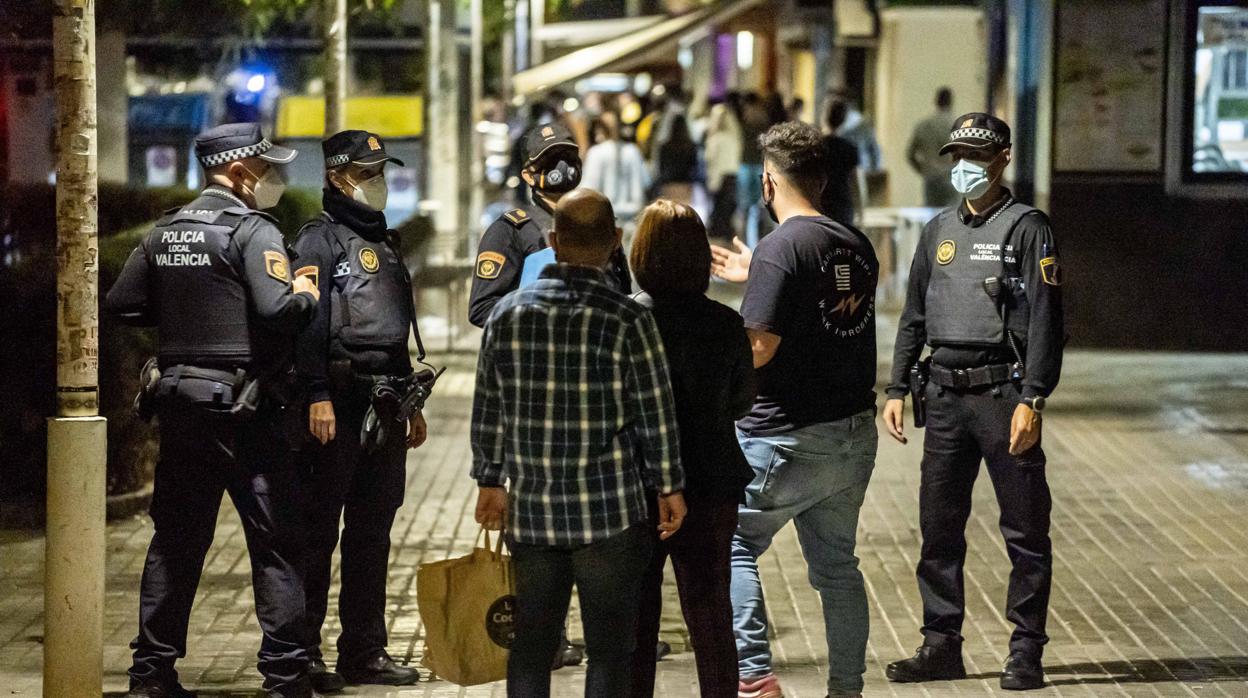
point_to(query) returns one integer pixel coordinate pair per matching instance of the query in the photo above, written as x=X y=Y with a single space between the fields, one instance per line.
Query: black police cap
x=545 y=139
x=229 y=142
x=978 y=130
x=356 y=147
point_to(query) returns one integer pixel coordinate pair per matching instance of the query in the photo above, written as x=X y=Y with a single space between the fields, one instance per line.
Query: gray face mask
x=269 y=188
x=372 y=192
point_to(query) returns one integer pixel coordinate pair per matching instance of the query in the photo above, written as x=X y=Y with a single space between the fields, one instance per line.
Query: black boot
x=155 y=689
x=1022 y=672
x=293 y=692
x=324 y=680
x=929 y=663
x=380 y=670
x=568 y=654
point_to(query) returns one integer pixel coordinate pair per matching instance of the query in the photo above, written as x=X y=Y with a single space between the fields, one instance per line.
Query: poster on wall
x=1110 y=86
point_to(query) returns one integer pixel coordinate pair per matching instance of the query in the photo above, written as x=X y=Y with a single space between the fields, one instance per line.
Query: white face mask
x=970 y=178
x=269 y=188
x=372 y=192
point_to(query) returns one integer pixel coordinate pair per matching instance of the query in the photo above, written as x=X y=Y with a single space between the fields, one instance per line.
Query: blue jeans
x=817 y=478
x=749 y=201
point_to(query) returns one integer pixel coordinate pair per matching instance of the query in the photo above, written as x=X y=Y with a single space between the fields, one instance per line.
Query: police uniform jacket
x=365 y=312
x=214 y=277
x=508 y=241
x=948 y=308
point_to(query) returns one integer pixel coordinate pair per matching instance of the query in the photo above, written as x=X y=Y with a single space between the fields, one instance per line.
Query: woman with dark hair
x=677 y=159
x=712 y=374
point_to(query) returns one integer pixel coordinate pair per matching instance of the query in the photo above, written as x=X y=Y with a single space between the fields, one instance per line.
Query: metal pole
x=537 y=20
x=74 y=567
x=509 y=49
x=477 y=68
x=524 y=42
x=334 y=23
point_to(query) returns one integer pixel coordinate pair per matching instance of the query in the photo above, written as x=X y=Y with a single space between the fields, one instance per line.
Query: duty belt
x=972 y=378
x=202 y=385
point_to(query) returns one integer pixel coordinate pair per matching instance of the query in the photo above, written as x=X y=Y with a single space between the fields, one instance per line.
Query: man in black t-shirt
x=842 y=198
x=810 y=438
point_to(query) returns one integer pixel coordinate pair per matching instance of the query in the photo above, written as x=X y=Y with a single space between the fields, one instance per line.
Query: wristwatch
x=1035 y=403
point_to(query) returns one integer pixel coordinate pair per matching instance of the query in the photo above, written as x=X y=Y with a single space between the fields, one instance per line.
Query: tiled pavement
x=1149 y=466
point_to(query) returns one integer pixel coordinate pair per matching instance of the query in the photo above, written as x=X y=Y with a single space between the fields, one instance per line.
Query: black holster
x=149 y=384
x=920 y=374
x=393 y=401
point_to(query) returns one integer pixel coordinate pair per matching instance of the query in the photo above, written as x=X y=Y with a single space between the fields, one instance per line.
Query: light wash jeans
x=816 y=477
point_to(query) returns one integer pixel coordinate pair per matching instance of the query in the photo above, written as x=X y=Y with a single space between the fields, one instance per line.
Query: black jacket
x=712 y=370
x=214 y=276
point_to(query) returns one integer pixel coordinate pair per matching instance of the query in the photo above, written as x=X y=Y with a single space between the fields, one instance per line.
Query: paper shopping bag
x=466 y=605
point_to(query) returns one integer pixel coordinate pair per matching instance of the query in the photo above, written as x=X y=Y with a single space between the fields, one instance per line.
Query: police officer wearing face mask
x=358 y=337
x=214 y=278
x=985 y=294
x=514 y=247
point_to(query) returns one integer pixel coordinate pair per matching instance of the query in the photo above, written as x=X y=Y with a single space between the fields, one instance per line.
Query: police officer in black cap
x=985 y=294
x=214 y=278
x=552 y=168
x=358 y=338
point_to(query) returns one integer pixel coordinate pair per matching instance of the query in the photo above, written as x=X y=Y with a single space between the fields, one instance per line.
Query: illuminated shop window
x=1219 y=112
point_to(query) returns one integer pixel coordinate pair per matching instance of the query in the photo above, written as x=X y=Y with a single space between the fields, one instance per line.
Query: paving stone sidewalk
x=1148 y=460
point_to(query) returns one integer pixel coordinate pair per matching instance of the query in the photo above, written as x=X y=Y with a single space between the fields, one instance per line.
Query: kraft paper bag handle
x=497 y=547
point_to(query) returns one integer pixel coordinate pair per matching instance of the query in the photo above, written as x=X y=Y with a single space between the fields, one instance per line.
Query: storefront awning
x=617 y=53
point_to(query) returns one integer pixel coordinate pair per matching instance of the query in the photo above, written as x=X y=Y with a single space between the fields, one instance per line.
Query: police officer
x=552 y=168
x=214 y=278
x=985 y=294
x=358 y=337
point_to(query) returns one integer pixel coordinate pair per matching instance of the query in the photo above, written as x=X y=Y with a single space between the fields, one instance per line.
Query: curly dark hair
x=796 y=150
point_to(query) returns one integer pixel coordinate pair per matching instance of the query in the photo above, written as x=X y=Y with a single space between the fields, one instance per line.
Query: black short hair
x=796 y=150
x=838 y=111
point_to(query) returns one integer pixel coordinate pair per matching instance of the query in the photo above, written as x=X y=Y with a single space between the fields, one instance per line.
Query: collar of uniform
x=975 y=220
x=541 y=217
x=220 y=192
x=574 y=272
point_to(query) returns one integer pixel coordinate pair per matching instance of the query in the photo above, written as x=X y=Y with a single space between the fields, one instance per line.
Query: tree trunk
x=73 y=608
x=77 y=266
x=334 y=23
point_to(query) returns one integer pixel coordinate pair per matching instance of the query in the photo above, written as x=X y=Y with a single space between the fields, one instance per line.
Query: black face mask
x=769 y=205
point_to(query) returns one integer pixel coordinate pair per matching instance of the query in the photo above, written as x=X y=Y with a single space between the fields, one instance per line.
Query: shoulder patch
x=490 y=265
x=1051 y=271
x=517 y=216
x=368 y=260
x=312 y=272
x=277 y=266
x=945 y=251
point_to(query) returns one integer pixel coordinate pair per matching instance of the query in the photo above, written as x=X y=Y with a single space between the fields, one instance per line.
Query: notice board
x=1109 y=106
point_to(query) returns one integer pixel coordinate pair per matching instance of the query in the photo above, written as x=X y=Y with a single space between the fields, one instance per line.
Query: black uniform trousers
x=204 y=453
x=365 y=491
x=964 y=427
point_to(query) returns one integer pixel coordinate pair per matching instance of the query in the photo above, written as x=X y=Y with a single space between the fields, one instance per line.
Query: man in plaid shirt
x=574 y=406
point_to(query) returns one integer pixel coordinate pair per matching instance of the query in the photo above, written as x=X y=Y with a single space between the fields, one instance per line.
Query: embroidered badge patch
x=490 y=265
x=276 y=265
x=1051 y=271
x=945 y=251
x=368 y=260
x=310 y=271
x=373 y=144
